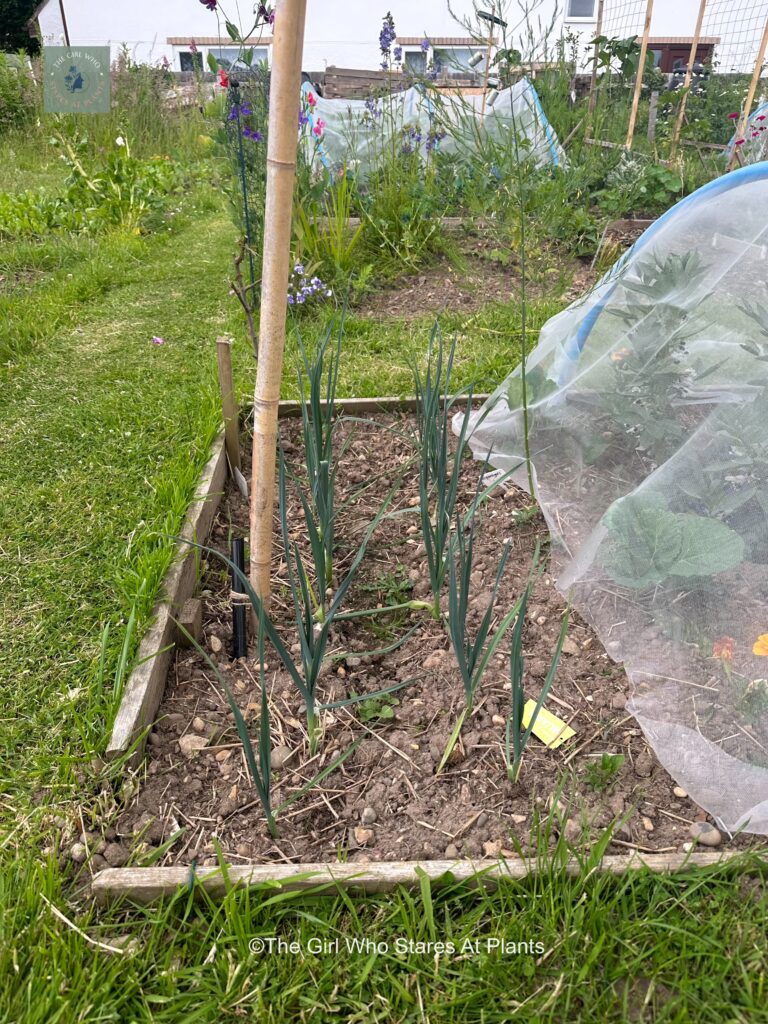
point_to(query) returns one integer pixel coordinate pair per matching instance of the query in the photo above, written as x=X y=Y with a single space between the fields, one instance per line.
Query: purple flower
x=156 y=340
x=210 y=4
x=388 y=34
x=425 y=44
x=252 y=133
x=398 y=54
x=290 y=300
x=303 y=119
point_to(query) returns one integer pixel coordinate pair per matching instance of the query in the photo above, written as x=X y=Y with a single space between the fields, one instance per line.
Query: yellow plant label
x=548 y=728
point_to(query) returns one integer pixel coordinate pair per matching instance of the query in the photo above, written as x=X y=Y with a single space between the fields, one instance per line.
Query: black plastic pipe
x=239 y=606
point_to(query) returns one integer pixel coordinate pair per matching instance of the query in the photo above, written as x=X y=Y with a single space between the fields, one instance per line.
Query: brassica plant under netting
x=648 y=406
x=354 y=131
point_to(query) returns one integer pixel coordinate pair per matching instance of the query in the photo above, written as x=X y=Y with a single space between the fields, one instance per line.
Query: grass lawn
x=103 y=436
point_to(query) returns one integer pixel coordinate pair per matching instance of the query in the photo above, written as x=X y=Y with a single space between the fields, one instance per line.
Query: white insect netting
x=355 y=130
x=648 y=406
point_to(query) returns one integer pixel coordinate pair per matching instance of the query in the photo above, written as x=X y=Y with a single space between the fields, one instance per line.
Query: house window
x=416 y=61
x=189 y=61
x=453 y=61
x=227 y=55
x=580 y=9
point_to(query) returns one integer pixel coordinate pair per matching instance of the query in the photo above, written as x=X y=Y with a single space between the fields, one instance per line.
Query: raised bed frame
x=144 y=692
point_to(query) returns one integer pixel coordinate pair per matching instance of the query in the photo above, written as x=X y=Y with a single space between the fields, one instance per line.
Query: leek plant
x=472 y=653
x=439 y=471
x=313 y=635
x=517 y=736
x=318 y=422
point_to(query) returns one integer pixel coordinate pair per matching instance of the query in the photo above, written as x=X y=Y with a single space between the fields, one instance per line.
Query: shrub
x=17 y=96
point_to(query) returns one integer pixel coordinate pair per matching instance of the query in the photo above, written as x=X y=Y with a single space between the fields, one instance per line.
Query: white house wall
x=338 y=32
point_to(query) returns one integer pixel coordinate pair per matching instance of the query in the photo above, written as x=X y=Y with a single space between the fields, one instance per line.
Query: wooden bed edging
x=145 y=885
x=144 y=689
x=145 y=686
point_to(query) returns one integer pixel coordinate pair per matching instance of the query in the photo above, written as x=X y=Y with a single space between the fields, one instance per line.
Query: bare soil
x=386 y=801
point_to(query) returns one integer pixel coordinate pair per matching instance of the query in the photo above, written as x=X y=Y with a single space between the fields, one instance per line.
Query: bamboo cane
x=228 y=403
x=750 y=96
x=281 y=172
x=639 y=76
x=687 y=82
x=593 y=76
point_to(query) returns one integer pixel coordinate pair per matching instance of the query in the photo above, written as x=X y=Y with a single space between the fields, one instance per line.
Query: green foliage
x=637 y=185
x=122 y=192
x=17 y=94
x=14 y=35
x=621 y=55
x=371 y=709
x=324 y=238
x=600 y=775
x=647 y=544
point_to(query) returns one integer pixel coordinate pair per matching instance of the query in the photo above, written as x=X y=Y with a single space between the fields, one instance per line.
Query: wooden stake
x=750 y=96
x=593 y=77
x=228 y=403
x=284 y=101
x=687 y=82
x=639 y=76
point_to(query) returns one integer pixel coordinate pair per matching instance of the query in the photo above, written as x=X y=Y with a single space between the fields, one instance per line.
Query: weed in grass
x=600 y=775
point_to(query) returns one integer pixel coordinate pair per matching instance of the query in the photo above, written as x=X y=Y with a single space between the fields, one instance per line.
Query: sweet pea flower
x=740 y=142
x=210 y=4
x=319 y=126
x=733 y=117
x=311 y=99
x=223 y=79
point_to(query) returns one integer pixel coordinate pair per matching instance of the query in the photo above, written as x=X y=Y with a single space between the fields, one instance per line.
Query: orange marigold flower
x=761 y=645
x=724 y=648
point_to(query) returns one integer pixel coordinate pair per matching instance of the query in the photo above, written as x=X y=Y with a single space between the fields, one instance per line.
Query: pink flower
x=760 y=117
x=311 y=99
x=223 y=78
x=755 y=134
x=740 y=142
x=319 y=126
x=733 y=117
x=157 y=340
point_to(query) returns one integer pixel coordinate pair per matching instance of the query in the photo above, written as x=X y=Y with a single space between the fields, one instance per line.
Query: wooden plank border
x=146 y=885
x=145 y=686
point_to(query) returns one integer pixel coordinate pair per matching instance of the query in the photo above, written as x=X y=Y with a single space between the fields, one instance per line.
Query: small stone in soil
x=680 y=792
x=78 y=853
x=279 y=756
x=492 y=848
x=115 y=855
x=368 y=816
x=644 y=765
x=451 y=851
x=190 y=743
x=362 y=836
x=705 y=833
x=647 y=824
x=198 y=725
x=215 y=643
